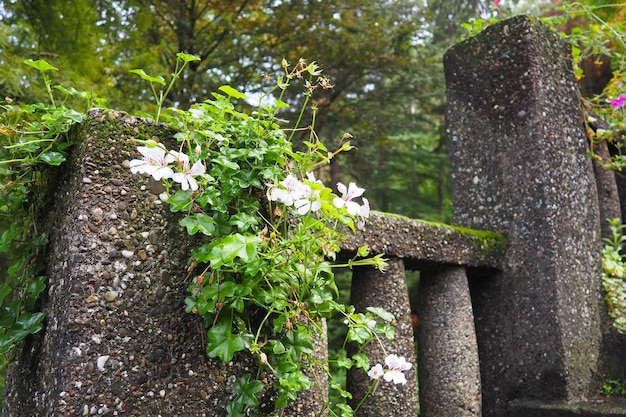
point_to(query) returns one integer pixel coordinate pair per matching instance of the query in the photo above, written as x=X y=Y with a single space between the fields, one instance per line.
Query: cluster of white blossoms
x=395 y=366
x=160 y=163
x=293 y=192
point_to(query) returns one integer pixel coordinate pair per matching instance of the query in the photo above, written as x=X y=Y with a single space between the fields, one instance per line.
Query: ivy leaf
x=246 y=390
x=187 y=57
x=40 y=65
x=235 y=246
x=343 y=361
x=159 y=79
x=223 y=343
x=358 y=335
x=198 y=222
x=180 y=201
x=243 y=221
x=341 y=391
x=232 y=92
x=298 y=342
x=381 y=312
x=361 y=361
x=52 y=158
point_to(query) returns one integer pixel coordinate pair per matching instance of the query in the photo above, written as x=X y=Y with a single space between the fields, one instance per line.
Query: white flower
x=186 y=177
x=364 y=210
x=155 y=162
x=371 y=324
x=347 y=194
x=292 y=190
x=310 y=201
x=376 y=371
x=397 y=365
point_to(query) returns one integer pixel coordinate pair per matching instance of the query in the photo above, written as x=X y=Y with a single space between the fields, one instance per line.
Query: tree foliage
x=383 y=57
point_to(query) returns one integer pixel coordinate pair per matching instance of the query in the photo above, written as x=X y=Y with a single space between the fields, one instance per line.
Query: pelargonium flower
x=397 y=365
x=347 y=194
x=364 y=210
x=155 y=162
x=376 y=372
x=619 y=102
x=292 y=189
x=186 y=175
x=309 y=201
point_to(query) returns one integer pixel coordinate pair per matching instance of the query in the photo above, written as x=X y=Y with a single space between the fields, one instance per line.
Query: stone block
x=520 y=168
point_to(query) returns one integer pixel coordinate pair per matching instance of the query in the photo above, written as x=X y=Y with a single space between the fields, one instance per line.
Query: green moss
x=488 y=241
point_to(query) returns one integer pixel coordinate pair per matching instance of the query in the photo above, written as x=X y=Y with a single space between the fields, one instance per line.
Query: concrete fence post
x=448 y=372
x=520 y=167
x=372 y=288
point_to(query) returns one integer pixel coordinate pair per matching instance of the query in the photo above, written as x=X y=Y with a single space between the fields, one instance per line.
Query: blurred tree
x=384 y=58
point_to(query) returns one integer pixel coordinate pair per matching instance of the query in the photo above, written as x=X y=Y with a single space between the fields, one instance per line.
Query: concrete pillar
x=372 y=288
x=520 y=168
x=448 y=372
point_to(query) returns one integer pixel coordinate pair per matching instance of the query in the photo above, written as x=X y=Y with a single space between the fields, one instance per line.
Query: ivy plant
x=272 y=230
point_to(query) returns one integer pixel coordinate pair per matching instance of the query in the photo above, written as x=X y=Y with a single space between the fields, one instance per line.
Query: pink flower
x=618 y=102
x=155 y=163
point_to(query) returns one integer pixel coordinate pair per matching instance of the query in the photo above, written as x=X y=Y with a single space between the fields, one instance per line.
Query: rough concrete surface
x=520 y=168
x=117 y=339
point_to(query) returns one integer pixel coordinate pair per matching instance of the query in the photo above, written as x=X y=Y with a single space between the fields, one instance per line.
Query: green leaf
x=243 y=221
x=382 y=313
x=246 y=390
x=232 y=92
x=40 y=65
x=343 y=361
x=361 y=361
x=341 y=391
x=30 y=322
x=5 y=289
x=346 y=410
x=187 y=57
x=52 y=158
x=222 y=343
x=236 y=246
x=159 y=79
x=198 y=222
x=359 y=335
x=225 y=162
x=180 y=201
x=298 y=343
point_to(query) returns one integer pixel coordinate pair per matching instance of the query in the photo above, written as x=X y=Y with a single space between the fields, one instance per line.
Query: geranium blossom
x=186 y=175
x=155 y=163
x=347 y=194
x=619 y=102
x=397 y=365
x=292 y=189
x=309 y=201
x=364 y=210
x=376 y=371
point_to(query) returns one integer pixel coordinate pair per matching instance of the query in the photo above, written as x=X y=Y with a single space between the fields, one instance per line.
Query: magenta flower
x=619 y=102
